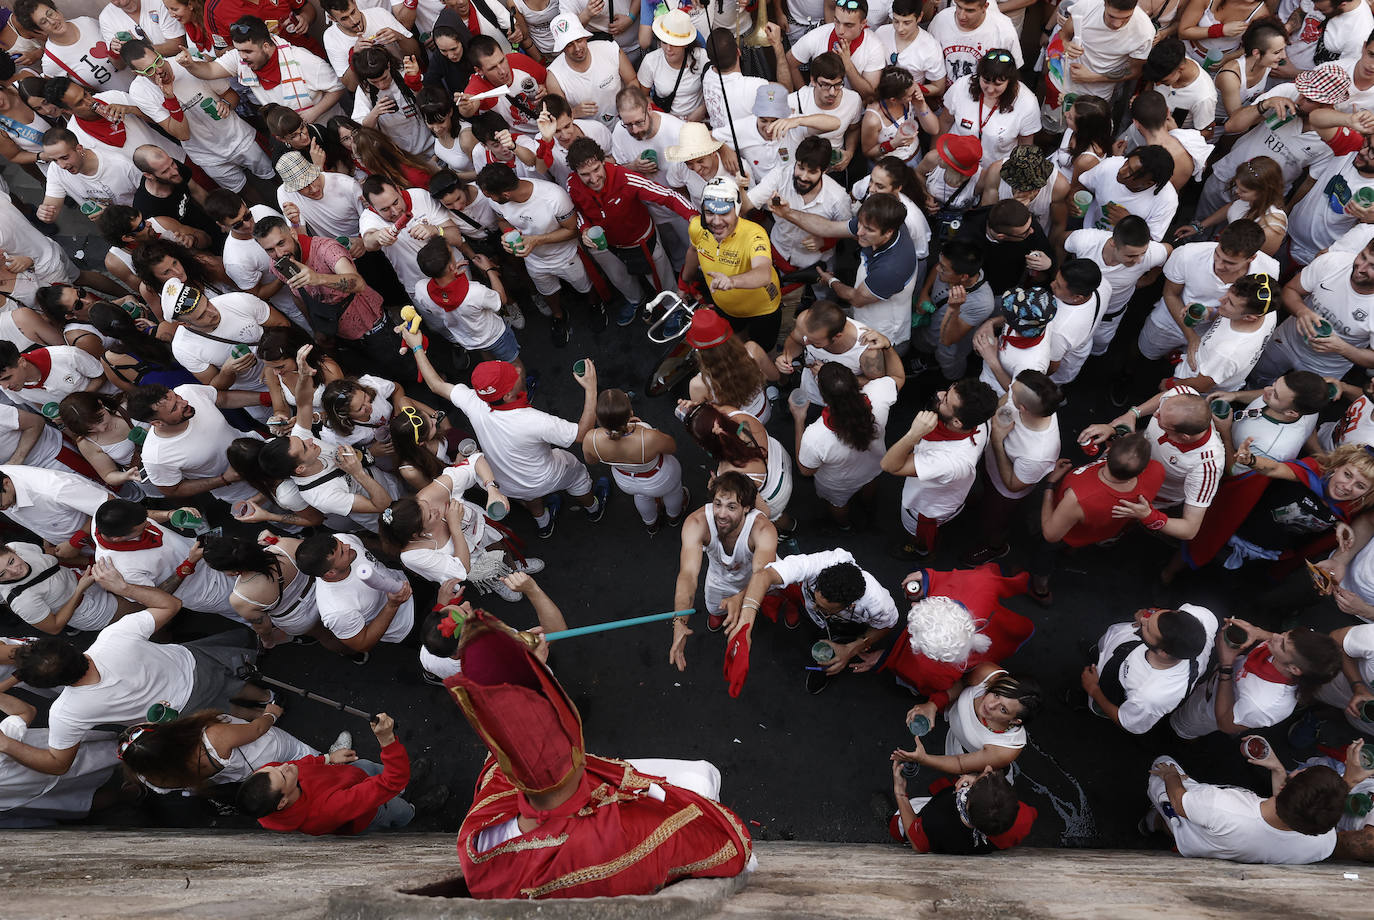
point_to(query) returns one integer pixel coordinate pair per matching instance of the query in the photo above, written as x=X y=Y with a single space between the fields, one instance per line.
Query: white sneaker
x=342 y=743
x=517 y=317
x=506 y=594
x=540 y=304
x=531 y=566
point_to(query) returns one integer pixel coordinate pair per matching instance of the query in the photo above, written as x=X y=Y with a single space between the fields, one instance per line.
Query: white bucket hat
x=566 y=30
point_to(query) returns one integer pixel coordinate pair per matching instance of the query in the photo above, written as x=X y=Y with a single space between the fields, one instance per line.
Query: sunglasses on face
x=151 y=68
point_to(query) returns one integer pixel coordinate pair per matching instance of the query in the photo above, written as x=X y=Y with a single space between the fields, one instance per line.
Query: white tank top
x=739 y=564
x=9 y=331
x=296 y=594
x=1040 y=204
x=968 y=734
x=643 y=466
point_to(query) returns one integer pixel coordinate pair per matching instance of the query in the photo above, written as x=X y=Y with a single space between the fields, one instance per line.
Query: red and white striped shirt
x=619 y=207
x=1192 y=471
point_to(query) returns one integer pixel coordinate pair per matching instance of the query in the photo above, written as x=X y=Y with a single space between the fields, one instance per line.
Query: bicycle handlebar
x=674 y=303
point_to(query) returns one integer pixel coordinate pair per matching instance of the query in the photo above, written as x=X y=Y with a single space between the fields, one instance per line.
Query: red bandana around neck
x=449 y=296
x=835 y=42
x=943 y=432
x=1259 y=662
x=151 y=539
x=520 y=400
x=40 y=358
x=1021 y=341
x=108 y=132
x=270 y=75
x=305 y=243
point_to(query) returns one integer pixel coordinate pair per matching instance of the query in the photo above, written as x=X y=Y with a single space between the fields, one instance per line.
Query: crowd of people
x=297 y=394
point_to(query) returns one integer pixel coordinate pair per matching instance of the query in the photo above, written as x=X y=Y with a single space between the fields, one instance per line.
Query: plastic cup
x=651 y=155
x=467 y=447
x=1220 y=408
x=1367 y=756
x=1365 y=196
x=89 y=208
x=183 y=519
x=210 y=107
x=797 y=398
x=1359 y=804
x=1323 y=329
x=598 y=237
x=918 y=726
x=497 y=509
x=50 y=409
x=822 y=652
x=513 y=239
x=1235 y=636
x=162 y=711
x=1367 y=711
x=835 y=156
x=580 y=367
x=137 y=435
x=238 y=351
x=1082 y=199
x=124 y=36
x=1069 y=100
x=1255 y=747
x=927 y=307
x=1195 y=314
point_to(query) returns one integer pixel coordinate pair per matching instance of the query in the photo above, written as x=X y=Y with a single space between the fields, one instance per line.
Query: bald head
x=1186 y=414
x=155 y=163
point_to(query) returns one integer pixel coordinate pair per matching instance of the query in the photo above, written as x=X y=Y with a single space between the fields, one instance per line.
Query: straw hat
x=694 y=141
x=675 y=28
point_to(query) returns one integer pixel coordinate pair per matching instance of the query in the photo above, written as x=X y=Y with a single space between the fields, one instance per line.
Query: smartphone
x=287 y=267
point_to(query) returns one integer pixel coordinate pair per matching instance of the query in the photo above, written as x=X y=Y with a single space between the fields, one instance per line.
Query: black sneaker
x=816 y=681
x=553 y=504
x=602 y=491
x=686 y=508
x=653 y=528
x=559 y=331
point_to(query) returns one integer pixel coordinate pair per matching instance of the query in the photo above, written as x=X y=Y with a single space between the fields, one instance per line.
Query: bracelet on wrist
x=186 y=568
x=1135 y=411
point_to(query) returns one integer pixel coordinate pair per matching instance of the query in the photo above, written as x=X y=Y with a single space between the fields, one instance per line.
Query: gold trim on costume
x=667 y=829
x=515 y=845
x=726 y=853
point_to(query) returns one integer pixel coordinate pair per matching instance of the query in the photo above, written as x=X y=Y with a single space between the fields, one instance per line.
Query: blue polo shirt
x=889 y=268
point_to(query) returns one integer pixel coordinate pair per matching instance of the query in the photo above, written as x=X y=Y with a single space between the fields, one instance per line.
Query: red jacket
x=619 y=207
x=341 y=799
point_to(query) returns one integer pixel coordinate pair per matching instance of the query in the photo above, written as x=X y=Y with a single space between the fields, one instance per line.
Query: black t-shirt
x=1287 y=515
x=944 y=830
x=179 y=206
x=1004 y=263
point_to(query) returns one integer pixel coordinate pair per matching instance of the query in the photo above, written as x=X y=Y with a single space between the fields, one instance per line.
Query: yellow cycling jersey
x=734 y=256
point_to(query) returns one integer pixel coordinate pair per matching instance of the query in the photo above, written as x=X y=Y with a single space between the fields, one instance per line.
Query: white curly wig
x=941 y=628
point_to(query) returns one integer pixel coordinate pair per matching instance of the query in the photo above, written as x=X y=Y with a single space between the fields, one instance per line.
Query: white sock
x=542 y=519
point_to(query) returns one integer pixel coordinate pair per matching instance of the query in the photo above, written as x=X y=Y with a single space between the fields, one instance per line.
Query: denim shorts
x=506 y=348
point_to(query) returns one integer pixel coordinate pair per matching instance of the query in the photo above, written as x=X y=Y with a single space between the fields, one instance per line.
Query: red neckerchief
x=520 y=400
x=305 y=243
x=943 y=432
x=270 y=75
x=835 y=41
x=109 y=132
x=1165 y=439
x=474 y=24
x=1259 y=663
x=1021 y=341
x=151 y=539
x=405 y=196
x=825 y=413
x=41 y=359
x=199 y=36
x=449 y=296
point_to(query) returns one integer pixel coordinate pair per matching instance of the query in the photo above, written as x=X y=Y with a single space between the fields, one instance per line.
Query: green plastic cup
x=1367 y=756
x=50 y=410
x=210 y=107
x=580 y=367
x=137 y=435
x=1235 y=636
x=497 y=509
x=1195 y=314
x=1221 y=408
x=1367 y=711
x=1082 y=199
x=651 y=155
x=238 y=351
x=161 y=712
x=1365 y=196
x=512 y=239
x=187 y=520
x=1323 y=329
x=598 y=237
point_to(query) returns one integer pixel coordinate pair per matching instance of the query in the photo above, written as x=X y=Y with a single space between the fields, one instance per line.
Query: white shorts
x=231 y=171
x=1160 y=335
x=546 y=280
x=719 y=586
x=666 y=480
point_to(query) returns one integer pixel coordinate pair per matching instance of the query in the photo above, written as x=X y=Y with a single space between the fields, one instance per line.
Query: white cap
x=721 y=196
x=566 y=30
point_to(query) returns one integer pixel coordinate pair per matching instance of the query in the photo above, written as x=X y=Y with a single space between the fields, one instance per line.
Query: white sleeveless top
x=1040 y=204
x=736 y=568
x=643 y=466
x=968 y=734
x=294 y=610
x=538 y=23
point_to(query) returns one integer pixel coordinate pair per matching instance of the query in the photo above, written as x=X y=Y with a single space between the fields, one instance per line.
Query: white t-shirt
x=1224 y=822
x=923 y=56
x=39 y=594
x=1320 y=218
x=1015 y=359
x=198 y=452
x=997 y=130
x=520 y=444
x=870 y=56
x=1259 y=703
x=548 y=206
x=967 y=732
x=115 y=181
x=403 y=125
x=205 y=589
x=1156 y=209
x=1191 y=473
x=154 y=23
x=1108 y=52
x=875 y=608
x=1192 y=266
x=1152 y=693
x=1032 y=453
x=240 y=320
x=1356 y=427
x=475 y=323
x=134 y=674
x=655 y=73
x=559 y=170
x=1281 y=441
x=247 y=264
x=840 y=469
x=1199 y=98
x=337 y=211
x=402 y=254
x=1291 y=146
x=1227 y=354
x=764 y=155
x=213 y=138
x=599 y=83
x=1071 y=332
x=87 y=60
x=338 y=46
x=347 y=606
x=71 y=371
x=739 y=89
x=626 y=148
x=1351 y=315
x=481 y=157
x=333 y=495
x=962 y=50
x=831 y=202
x=53 y=504
x=313 y=77
x=1089 y=243
x=848 y=110
x=945 y=471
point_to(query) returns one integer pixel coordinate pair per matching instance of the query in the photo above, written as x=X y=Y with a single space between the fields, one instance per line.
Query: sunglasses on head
x=1000 y=57
x=239 y=31
x=847 y=4
x=417 y=422
x=1264 y=293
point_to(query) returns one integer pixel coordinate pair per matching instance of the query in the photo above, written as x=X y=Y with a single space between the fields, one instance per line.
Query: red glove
x=692 y=289
x=737 y=661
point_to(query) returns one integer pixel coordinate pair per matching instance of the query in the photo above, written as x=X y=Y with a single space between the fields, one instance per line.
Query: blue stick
x=617 y=624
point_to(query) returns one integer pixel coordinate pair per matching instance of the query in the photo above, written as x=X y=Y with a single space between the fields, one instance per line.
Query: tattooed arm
x=1356 y=845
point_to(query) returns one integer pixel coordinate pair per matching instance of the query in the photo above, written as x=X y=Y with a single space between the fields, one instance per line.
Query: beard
x=803 y=187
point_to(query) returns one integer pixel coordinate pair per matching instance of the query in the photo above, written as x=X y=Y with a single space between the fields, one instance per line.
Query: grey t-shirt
x=977 y=307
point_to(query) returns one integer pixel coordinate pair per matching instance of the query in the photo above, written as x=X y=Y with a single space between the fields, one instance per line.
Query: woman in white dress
x=987 y=716
x=210 y=748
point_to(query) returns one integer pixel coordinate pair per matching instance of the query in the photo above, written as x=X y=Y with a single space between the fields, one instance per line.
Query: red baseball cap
x=494 y=379
x=708 y=329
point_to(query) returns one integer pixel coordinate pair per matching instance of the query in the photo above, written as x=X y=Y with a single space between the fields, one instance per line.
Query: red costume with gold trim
x=613 y=835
